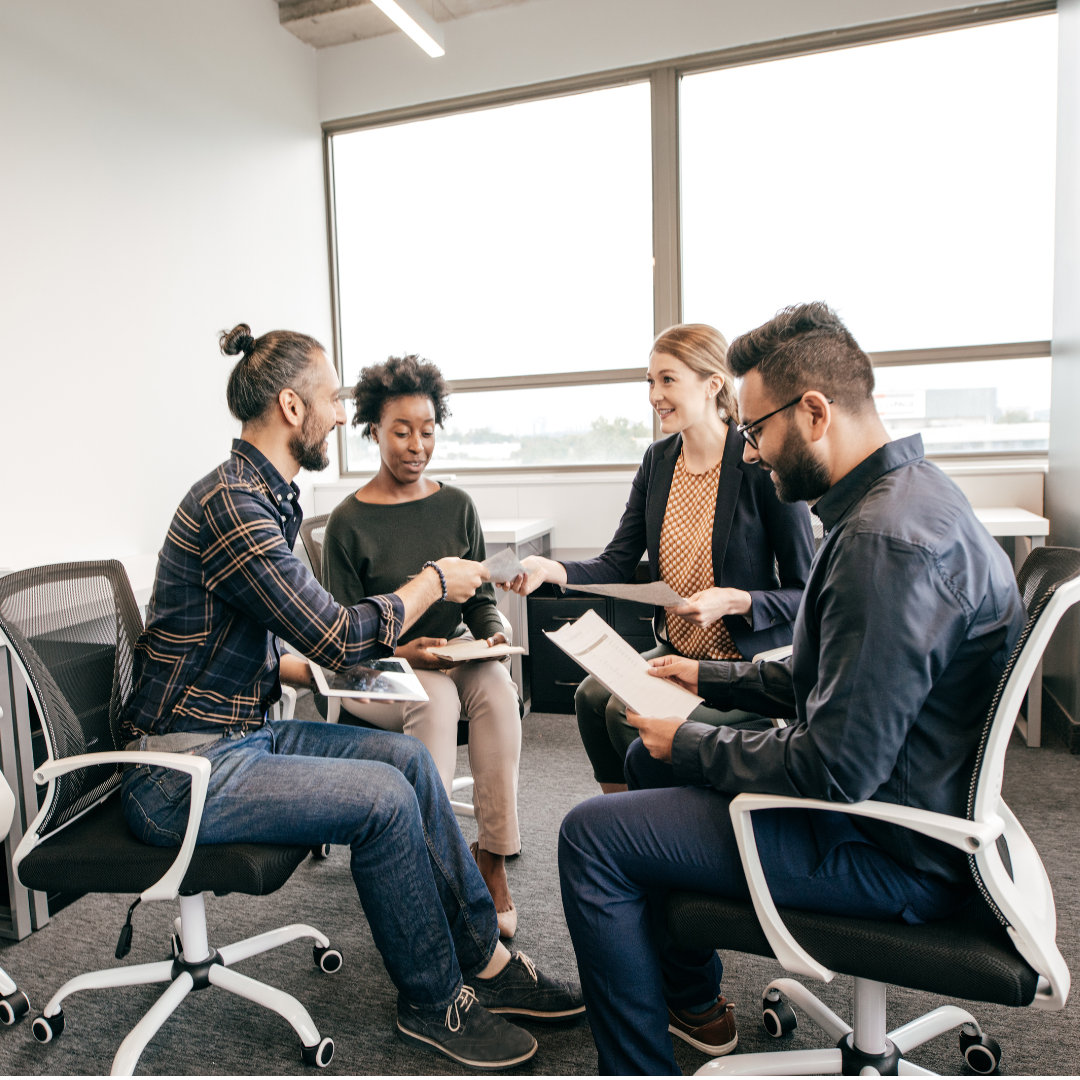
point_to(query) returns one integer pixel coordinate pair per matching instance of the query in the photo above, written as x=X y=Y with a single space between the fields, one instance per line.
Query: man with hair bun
x=209 y=666
x=908 y=619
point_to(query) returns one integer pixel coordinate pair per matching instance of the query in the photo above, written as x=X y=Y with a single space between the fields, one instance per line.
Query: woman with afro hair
x=382 y=535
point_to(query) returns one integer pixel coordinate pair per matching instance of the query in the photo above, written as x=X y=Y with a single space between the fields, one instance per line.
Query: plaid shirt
x=227 y=587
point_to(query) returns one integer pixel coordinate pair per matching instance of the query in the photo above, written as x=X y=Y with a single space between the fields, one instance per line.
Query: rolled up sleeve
x=247 y=563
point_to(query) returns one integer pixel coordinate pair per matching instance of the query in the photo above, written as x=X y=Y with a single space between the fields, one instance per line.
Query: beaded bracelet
x=438 y=570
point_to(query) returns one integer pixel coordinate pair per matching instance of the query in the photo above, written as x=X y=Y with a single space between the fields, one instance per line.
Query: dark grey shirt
x=907 y=622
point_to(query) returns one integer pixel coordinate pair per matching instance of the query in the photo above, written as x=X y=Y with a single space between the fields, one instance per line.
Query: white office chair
x=14 y=1004
x=1004 y=951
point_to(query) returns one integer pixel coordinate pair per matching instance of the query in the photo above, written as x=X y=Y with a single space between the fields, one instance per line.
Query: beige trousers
x=483 y=693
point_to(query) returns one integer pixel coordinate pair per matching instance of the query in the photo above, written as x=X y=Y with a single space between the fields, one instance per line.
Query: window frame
x=664 y=78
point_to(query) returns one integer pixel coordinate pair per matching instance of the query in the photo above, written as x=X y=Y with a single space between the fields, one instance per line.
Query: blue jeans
x=619 y=855
x=296 y=782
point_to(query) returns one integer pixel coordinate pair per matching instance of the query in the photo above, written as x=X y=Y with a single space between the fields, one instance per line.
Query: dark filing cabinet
x=554 y=675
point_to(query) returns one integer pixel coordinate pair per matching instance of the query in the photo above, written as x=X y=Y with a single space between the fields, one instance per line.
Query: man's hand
x=418 y=653
x=706 y=607
x=679 y=669
x=656 y=733
x=463 y=578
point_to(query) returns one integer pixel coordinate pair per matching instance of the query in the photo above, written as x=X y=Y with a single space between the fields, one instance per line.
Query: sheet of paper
x=658 y=593
x=503 y=565
x=474 y=650
x=624 y=672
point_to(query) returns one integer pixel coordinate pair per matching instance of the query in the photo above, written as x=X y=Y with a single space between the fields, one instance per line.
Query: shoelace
x=463 y=1002
x=529 y=966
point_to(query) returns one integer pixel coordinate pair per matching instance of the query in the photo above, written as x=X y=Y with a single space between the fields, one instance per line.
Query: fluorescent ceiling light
x=415 y=22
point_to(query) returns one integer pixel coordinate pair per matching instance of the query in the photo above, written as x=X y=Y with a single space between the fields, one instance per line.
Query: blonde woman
x=713 y=529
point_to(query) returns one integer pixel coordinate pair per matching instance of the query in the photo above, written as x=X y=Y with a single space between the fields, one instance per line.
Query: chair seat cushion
x=968 y=956
x=99 y=853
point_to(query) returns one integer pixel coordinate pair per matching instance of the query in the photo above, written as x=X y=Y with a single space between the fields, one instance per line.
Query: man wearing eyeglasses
x=906 y=624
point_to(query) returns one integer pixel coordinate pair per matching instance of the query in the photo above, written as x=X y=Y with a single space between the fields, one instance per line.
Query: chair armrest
x=286 y=705
x=168 y=886
x=968 y=836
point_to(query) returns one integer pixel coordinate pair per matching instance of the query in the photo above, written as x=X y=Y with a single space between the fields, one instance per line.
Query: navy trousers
x=618 y=856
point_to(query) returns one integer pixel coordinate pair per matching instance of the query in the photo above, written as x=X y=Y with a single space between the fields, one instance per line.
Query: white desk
x=1030 y=531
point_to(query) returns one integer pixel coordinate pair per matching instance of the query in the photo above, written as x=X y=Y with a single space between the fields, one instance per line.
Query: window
x=506 y=243
x=974 y=407
x=908 y=182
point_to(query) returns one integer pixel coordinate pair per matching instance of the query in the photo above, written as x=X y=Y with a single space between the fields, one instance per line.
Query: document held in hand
x=624 y=672
x=657 y=593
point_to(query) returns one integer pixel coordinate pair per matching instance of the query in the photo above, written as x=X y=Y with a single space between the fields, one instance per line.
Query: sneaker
x=712 y=1032
x=520 y=990
x=467 y=1033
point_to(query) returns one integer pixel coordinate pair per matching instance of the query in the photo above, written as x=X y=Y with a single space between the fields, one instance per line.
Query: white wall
x=553 y=39
x=161 y=180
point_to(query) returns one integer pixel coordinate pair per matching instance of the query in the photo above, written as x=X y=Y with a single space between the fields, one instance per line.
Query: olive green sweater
x=373 y=548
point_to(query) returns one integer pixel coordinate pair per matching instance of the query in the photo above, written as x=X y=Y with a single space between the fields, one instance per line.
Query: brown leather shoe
x=712 y=1032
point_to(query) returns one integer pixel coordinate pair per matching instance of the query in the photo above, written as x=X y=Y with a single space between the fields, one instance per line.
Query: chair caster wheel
x=318 y=1055
x=777 y=1016
x=175 y=947
x=13 y=1007
x=981 y=1052
x=47 y=1028
x=329 y=960
x=321 y=851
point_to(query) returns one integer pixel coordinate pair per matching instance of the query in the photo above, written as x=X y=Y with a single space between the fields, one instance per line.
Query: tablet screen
x=387 y=679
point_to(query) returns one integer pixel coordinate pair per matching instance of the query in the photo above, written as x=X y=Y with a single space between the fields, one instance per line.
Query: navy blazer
x=755 y=535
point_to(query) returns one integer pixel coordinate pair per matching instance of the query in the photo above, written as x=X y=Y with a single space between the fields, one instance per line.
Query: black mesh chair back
x=73 y=628
x=1043 y=573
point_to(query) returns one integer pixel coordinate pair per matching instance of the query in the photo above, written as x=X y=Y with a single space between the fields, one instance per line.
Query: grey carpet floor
x=217 y=1033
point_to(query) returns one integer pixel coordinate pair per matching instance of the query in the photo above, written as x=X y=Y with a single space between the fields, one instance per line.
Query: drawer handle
x=560 y=682
x=563 y=618
x=645 y=618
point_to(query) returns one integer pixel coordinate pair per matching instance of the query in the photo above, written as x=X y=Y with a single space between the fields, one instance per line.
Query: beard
x=307 y=447
x=800 y=477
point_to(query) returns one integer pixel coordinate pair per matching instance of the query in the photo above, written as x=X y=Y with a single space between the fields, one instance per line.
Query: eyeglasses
x=751 y=430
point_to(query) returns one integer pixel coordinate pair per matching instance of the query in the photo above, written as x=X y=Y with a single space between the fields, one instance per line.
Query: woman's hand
x=418 y=653
x=495 y=639
x=294 y=671
x=679 y=669
x=537 y=571
x=657 y=733
x=706 y=607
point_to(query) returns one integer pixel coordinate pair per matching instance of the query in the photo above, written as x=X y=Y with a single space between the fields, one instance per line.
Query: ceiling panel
x=335 y=22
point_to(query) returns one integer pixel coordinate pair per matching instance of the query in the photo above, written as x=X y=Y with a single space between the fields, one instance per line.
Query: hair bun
x=237 y=340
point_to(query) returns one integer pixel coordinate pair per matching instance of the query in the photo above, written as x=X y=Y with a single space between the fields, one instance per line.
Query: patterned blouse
x=686 y=560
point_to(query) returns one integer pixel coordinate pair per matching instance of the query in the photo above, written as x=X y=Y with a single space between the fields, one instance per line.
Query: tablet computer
x=388 y=679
